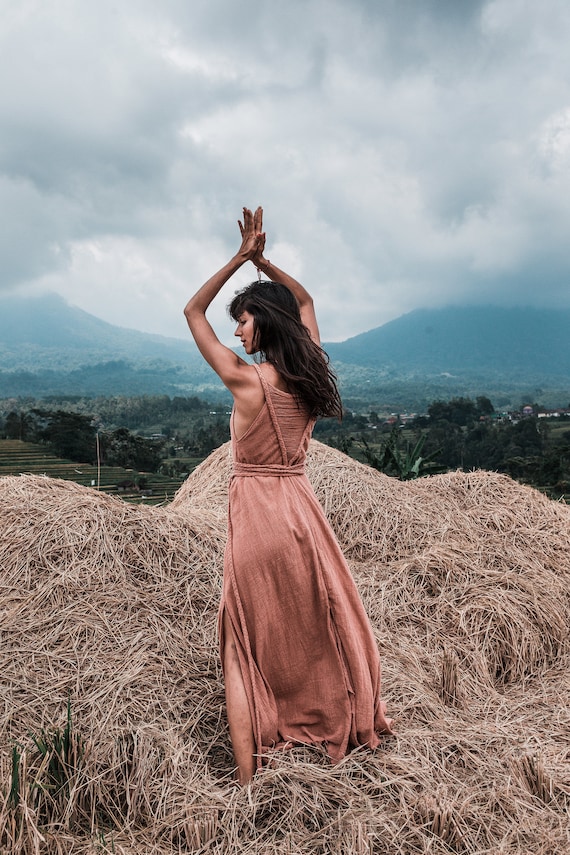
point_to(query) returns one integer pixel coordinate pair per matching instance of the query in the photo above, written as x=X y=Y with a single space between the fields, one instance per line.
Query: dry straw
x=112 y=608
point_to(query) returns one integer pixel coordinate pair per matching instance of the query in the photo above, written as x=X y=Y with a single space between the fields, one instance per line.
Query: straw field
x=112 y=724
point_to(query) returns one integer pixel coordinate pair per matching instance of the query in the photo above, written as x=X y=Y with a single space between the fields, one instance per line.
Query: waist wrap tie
x=274 y=469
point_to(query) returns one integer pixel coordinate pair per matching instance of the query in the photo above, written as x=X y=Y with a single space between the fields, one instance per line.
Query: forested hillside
x=473 y=340
x=50 y=348
x=170 y=435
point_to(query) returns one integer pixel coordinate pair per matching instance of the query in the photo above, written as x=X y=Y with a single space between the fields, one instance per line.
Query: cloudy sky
x=408 y=153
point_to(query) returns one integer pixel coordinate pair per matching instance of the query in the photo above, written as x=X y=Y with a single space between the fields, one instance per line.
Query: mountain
x=460 y=340
x=48 y=347
x=65 y=337
x=514 y=356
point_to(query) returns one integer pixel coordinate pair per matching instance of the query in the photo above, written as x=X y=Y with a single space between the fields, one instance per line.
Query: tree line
x=460 y=433
x=76 y=437
x=82 y=429
x=466 y=434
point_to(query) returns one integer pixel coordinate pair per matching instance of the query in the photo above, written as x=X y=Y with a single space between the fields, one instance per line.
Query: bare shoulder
x=249 y=398
x=236 y=374
x=273 y=376
x=246 y=388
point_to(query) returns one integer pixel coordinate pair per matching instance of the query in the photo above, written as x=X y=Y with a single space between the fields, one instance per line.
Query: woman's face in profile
x=245 y=331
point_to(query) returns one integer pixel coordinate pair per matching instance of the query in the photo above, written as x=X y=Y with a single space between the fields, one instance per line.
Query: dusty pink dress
x=308 y=656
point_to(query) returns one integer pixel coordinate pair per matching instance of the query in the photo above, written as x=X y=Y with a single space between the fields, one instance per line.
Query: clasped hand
x=252 y=236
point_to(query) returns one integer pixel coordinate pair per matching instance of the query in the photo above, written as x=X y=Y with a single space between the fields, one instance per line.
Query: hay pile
x=112 y=607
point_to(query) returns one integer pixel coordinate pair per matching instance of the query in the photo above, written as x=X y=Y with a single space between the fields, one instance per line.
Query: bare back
x=250 y=398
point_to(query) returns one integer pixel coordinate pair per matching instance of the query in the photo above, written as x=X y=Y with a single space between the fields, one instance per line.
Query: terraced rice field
x=26 y=458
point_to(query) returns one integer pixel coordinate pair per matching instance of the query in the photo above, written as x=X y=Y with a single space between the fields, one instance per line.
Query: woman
x=299 y=658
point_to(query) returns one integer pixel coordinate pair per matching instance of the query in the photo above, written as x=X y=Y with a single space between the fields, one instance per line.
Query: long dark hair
x=283 y=340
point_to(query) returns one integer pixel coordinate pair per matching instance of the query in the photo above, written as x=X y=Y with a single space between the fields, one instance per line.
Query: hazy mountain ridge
x=466 y=339
x=48 y=347
x=67 y=337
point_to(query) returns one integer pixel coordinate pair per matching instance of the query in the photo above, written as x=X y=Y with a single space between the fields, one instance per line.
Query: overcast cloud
x=408 y=153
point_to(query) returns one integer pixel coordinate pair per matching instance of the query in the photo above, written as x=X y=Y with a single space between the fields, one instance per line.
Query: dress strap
x=273 y=415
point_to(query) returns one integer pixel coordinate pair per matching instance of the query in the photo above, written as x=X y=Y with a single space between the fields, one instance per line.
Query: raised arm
x=304 y=299
x=223 y=360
